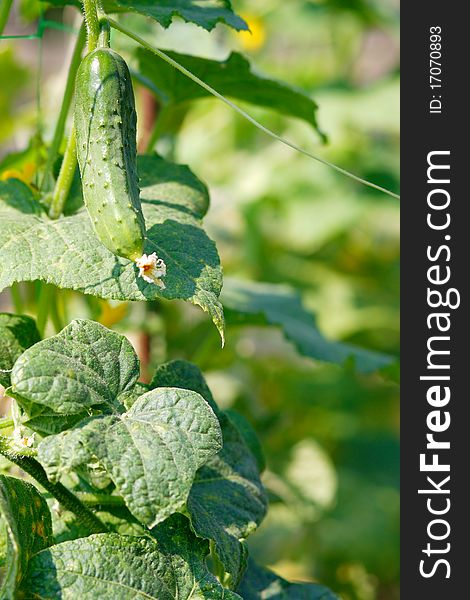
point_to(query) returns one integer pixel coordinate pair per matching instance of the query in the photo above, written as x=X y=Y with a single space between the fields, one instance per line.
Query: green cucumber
x=105 y=124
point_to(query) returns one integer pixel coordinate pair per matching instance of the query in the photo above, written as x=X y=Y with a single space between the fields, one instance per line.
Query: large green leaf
x=66 y=526
x=247 y=302
x=66 y=252
x=86 y=365
x=183 y=374
x=91 y=366
x=16 y=334
x=205 y=13
x=26 y=522
x=127 y=568
x=151 y=452
x=232 y=77
x=260 y=584
x=227 y=501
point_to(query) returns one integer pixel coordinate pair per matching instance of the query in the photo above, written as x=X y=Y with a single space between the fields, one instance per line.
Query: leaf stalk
x=68 y=500
x=66 y=103
x=65 y=178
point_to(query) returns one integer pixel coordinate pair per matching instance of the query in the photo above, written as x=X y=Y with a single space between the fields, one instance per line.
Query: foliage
x=256 y=303
x=142 y=475
x=232 y=77
x=108 y=565
x=206 y=14
x=26 y=521
x=67 y=253
x=18 y=333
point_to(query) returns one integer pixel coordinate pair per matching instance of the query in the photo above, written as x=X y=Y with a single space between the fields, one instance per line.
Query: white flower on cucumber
x=151 y=269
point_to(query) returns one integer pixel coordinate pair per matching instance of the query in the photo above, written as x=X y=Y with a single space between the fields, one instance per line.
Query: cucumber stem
x=105 y=29
x=66 y=102
x=105 y=34
x=65 y=179
x=92 y=23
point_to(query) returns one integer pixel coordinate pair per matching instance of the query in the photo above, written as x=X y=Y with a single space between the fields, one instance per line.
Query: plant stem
x=68 y=500
x=243 y=113
x=16 y=298
x=65 y=179
x=4 y=13
x=105 y=29
x=55 y=314
x=100 y=499
x=98 y=32
x=6 y=423
x=43 y=306
x=92 y=23
x=66 y=102
x=16 y=416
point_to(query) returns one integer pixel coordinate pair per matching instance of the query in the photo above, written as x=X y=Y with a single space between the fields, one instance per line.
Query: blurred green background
x=330 y=435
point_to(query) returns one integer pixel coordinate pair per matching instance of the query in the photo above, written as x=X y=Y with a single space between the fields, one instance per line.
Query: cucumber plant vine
x=136 y=490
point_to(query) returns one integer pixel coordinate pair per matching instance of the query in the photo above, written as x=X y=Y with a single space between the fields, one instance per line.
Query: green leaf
x=232 y=77
x=16 y=334
x=260 y=584
x=27 y=523
x=66 y=252
x=247 y=302
x=249 y=437
x=205 y=13
x=17 y=196
x=227 y=501
x=151 y=452
x=86 y=365
x=127 y=568
x=47 y=422
x=183 y=374
x=66 y=526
